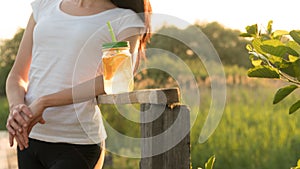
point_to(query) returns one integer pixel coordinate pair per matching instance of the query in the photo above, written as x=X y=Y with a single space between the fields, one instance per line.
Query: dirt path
x=8 y=156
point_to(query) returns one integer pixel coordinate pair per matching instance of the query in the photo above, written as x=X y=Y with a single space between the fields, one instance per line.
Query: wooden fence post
x=165 y=127
x=168 y=139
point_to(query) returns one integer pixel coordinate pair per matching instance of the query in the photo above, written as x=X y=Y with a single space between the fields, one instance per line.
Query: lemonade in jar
x=117 y=67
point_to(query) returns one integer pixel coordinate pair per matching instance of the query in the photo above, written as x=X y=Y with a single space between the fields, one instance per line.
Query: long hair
x=144 y=9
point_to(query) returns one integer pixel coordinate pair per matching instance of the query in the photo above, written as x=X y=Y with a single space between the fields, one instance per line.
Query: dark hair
x=144 y=9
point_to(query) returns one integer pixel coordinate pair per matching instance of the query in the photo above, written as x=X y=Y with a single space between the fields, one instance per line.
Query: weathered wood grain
x=152 y=96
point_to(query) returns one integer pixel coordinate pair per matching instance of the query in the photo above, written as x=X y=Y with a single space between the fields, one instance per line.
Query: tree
x=228 y=43
x=8 y=52
x=275 y=54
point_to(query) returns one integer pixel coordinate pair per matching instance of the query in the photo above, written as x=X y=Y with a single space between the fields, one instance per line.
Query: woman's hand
x=37 y=108
x=17 y=124
x=21 y=120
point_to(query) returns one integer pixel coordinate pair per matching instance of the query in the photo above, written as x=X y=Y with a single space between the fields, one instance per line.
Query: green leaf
x=294 y=107
x=296 y=65
x=265 y=37
x=283 y=93
x=291 y=68
x=293 y=58
x=210 y=163
x=294 y=46
x=273 y=42
x=291 y=51
x=295 y=35
x=280 y=33
x=270 y=25
x=274 y=47
x=256 y=43
x=252 y=30
x=249 y=47
x=256 y=62
x=274 y=50
x=287 y=68
x=275 y=60
x=263 y=72
x=246 y=35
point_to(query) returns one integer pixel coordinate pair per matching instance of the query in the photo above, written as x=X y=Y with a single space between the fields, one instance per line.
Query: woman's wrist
x=14 y=106
x=43 y=102
x=11 y=106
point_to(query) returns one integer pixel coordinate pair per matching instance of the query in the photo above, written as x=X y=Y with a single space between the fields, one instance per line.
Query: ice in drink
x=117 y=68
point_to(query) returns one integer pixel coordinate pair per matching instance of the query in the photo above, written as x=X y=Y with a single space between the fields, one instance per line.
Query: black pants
x=44 y=155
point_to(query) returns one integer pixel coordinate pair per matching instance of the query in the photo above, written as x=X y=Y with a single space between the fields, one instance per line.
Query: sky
x=235 y=14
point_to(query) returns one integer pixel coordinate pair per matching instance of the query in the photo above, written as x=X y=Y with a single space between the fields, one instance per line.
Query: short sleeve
x=36 y=5
x=39 y=8
x=131 y=23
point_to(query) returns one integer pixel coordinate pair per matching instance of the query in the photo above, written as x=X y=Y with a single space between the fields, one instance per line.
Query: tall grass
x=253 y=133
x=3 y=112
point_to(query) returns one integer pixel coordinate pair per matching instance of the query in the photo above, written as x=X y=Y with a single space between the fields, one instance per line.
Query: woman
x=54 y=126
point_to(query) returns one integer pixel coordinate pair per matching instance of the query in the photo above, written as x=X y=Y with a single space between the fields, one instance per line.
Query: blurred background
x=253 y=133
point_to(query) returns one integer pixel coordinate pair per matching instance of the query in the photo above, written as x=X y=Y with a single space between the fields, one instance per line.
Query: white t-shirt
x=66 y=52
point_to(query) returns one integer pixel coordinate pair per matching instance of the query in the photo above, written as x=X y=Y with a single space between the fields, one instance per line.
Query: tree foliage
x=8 y=52
x=227 y=42
x=275 y=54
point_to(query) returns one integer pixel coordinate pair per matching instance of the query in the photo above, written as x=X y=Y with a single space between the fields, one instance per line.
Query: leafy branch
x=210 y=163
x=275 y=54
x=298 y=165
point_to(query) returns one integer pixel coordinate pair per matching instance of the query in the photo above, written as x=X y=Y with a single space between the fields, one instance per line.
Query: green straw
x=111 y=31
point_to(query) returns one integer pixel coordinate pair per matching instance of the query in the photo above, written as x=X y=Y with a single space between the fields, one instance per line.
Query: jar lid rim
x=115 y=44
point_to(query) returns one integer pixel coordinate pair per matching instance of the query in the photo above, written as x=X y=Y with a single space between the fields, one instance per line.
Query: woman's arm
x=16 y=84
x=79 y=93
x=82 y=92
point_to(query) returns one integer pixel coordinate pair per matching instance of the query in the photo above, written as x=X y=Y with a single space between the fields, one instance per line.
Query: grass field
x=3 y=112
x=253 y=133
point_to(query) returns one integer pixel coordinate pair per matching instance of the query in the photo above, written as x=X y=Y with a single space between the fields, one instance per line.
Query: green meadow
x=253 y=133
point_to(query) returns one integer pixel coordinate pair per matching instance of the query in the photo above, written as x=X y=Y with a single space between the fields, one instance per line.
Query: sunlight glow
x=235 y=14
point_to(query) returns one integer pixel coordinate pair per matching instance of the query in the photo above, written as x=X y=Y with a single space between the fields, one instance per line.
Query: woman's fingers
x=12 y=126
x=25 y=109
x=42 y=121
x=24 y=135
x=20 y=140
x=25 y=132
x=19 y=119
x=10 y=129
x=11 y=139
x=17 y=125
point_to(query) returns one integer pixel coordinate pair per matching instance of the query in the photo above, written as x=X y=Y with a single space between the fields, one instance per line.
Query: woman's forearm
x=82 y=92
x=15 y=90
x=79 y=93
x=17 y=80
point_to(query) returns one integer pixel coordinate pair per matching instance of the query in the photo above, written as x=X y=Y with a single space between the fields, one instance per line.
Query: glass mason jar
x=117 y=67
